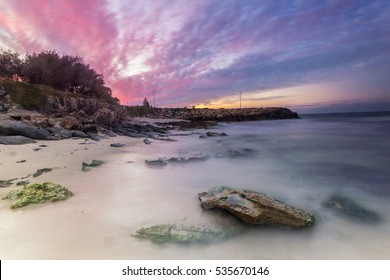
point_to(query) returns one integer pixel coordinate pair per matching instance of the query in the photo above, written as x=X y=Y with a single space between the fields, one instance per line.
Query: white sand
x=51 y=230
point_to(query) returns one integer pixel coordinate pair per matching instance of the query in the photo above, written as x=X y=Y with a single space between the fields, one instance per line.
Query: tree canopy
x=62 y=72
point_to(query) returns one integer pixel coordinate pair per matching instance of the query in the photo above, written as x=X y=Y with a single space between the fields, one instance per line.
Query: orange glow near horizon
x=304 y=95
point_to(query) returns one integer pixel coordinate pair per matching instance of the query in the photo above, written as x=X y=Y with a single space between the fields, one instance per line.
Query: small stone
x=41 y=171
x=156 y=163
x=117 y=145
x=88 y=166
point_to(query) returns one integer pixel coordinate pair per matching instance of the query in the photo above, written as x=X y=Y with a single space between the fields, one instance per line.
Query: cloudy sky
x=331 y=55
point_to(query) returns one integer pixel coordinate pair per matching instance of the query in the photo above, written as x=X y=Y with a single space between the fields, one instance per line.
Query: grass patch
x=29 y=96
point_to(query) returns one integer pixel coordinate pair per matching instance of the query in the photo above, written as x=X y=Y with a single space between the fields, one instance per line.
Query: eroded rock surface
x=186 y=234
x=254 y=208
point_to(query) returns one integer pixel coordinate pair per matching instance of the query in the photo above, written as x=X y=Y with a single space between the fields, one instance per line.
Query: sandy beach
x=36 y=230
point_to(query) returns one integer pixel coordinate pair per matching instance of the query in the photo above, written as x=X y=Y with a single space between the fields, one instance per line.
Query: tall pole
x=154 y=100
x=240 y=99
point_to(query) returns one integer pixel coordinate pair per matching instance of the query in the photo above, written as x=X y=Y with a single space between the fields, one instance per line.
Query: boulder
x=11 y=127
x=254 y=208
x=15 y=140
x=147 y=141
x=79 y=134
x=88 y=166
x=71 y=123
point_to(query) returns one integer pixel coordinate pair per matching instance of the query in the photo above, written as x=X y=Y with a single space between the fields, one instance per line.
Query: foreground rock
x=11 y=127
x=15 y=140
x=254 y=208
x=185 y=234
x=37 y=193
x=88 y=166
x=349 y=209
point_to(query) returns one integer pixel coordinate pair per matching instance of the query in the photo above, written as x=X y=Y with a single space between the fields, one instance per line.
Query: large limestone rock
x=254 y=208
x=11 y=127
x=15 y=140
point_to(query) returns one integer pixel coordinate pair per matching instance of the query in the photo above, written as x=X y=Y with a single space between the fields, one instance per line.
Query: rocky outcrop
x=254 y=208
x=85 y=111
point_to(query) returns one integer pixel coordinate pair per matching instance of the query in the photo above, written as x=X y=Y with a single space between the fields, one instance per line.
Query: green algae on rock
x=88 y=166
x=186 y=234
x=37 y=193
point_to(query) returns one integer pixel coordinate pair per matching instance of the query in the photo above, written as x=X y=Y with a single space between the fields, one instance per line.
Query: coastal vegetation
x=65 y=73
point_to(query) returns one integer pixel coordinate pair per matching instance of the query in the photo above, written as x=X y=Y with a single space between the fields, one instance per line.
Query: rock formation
x=254 y=208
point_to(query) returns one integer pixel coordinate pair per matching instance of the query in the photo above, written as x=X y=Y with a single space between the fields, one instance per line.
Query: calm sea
x=300 y=161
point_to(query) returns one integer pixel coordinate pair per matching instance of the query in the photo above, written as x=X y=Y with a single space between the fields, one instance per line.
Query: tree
x=66 y=73
x=10 y=65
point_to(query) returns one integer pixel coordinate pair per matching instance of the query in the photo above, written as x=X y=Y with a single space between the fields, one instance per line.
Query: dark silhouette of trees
x=66 y=73
x=10 y=65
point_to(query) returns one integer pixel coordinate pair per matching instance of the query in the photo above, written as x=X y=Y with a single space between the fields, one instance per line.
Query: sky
x=311 y=56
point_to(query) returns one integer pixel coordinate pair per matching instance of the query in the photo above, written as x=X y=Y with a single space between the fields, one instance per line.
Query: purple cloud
x=189 y=52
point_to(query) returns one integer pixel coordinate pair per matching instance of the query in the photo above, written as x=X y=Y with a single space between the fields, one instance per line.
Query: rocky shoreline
x=67 y=117
x=222 y=115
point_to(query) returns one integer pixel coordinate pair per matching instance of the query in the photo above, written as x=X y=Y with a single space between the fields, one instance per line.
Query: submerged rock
x=215 y=134
x=188 y=159
x=41 y=171
x=348 y=208
x=185 y=234
x=38 y=193
x=254 y=208
x=88 y=166
x=156 y=162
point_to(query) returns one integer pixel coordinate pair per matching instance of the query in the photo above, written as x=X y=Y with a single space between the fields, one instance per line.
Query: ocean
x=301 y=162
